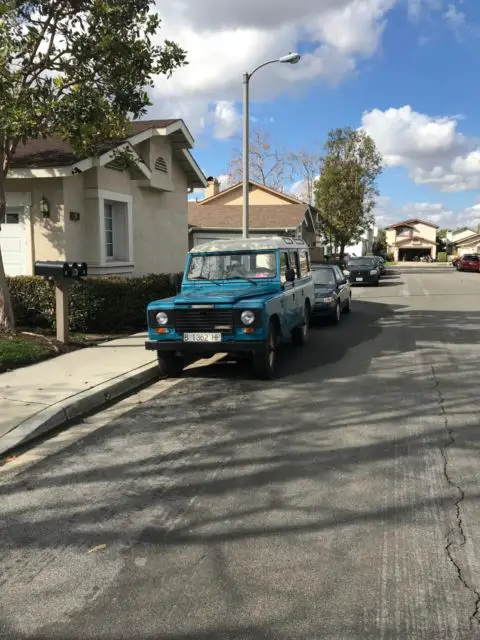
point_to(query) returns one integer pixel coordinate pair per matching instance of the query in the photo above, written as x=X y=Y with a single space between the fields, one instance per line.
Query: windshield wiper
x=206 y=280
x=242 y=278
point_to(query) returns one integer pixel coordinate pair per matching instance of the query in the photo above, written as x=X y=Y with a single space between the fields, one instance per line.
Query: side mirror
x=343 y=281
x=290 y=275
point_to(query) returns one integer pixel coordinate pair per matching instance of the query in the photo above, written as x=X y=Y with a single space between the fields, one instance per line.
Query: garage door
x=13 y=241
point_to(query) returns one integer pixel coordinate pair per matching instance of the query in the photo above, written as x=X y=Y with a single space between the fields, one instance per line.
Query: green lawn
x=17 y=351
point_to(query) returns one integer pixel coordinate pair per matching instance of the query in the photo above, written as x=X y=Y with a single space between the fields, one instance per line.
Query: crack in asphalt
x=475 y=617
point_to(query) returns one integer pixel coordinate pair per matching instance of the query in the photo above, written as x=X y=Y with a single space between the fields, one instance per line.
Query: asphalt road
x=339 y=502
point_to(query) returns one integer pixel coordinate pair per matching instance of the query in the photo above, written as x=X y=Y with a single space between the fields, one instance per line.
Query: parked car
x=333 y=294
x=238 y=296
x=362 y=270
x=381 y=265
x=469 y=262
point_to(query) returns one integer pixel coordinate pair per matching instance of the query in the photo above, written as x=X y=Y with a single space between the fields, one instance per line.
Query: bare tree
x=268 y=165
x=305 y=166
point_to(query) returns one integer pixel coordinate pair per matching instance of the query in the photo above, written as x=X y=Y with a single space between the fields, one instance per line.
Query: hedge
x=441 y=256
x=97 y=305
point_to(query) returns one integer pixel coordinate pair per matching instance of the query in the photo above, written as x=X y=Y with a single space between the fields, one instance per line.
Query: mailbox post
x=61 y=275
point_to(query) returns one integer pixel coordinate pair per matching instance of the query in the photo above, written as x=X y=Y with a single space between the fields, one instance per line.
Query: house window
x=161 y=165
x=116 y=230
x=12 y=215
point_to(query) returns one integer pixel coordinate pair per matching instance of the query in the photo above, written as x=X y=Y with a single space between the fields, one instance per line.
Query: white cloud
x=227 y=120
x=225 y=39
x=387 y=213
x=431 y=148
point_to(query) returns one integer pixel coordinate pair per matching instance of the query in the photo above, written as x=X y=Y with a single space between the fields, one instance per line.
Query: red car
x=469 y=262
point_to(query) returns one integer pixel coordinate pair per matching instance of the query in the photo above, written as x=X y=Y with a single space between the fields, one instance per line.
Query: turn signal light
x=249 y=330
x=162 y=330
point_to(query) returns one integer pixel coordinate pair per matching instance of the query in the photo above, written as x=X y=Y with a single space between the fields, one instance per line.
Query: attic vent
x=161 y=165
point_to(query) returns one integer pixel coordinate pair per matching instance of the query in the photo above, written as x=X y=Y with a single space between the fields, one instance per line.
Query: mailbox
x=57 y=269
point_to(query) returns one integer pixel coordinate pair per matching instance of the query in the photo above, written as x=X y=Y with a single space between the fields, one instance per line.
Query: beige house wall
x=47 y=239
x=257 y=196
x=161 y=232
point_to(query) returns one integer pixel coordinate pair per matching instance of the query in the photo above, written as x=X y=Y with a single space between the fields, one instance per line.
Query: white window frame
x=103 y=197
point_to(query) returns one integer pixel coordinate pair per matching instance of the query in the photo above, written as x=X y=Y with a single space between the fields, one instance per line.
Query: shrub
x=441 y=256
x=390 y=257
x=97 y=305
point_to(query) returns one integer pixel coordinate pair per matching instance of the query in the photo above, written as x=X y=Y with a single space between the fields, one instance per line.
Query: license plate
x=202 y=337
x=359 y=279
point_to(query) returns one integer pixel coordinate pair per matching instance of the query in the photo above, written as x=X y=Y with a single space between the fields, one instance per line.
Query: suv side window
x=294 y=262
x=283 y=266
x=304 y=264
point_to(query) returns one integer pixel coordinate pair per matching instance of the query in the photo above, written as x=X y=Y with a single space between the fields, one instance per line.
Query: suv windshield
x=361 y=262
x=323 y=277
x=230 y=266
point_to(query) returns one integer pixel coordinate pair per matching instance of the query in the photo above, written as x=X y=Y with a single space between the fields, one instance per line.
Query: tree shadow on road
x=225 y=460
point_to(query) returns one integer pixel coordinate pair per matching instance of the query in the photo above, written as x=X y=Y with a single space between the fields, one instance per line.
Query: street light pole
x=246 y=153
x=291 y=58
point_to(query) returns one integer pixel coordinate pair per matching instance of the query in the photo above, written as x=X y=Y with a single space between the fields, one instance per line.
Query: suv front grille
x=204 y=320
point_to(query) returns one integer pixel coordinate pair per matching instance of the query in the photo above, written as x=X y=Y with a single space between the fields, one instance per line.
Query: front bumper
x=323 y=309
x=366 y=278
x=251 y=346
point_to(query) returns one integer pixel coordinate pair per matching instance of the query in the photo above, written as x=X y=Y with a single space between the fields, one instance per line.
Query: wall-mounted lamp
x=44 y=207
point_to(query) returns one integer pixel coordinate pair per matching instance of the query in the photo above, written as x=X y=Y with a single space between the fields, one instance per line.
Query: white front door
x=13 y=241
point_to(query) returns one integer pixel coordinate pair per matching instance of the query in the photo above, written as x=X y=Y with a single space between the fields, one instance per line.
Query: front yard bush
x=97 y=305
x=441 y=256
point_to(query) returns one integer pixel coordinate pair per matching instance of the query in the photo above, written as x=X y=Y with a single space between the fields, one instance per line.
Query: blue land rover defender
x=238 y=296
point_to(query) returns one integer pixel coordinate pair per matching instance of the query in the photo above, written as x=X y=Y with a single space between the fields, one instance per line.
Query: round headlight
x=161 y=318
x=247 y=317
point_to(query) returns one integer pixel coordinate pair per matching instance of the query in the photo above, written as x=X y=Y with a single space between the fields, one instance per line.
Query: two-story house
x=120 y=221
x=412 y=239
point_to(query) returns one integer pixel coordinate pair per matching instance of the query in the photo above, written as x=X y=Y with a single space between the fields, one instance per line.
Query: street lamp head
x=291 y=58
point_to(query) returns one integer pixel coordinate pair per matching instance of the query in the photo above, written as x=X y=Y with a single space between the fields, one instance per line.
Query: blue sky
x=416 y=68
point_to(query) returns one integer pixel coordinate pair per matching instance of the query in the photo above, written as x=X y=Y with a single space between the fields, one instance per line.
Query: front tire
x=336 y=315
x=300 y=334
x=348 y=306
x=264 y=362
x=169 y=364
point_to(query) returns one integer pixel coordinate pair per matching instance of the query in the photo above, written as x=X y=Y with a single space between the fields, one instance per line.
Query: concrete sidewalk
x=44 y=396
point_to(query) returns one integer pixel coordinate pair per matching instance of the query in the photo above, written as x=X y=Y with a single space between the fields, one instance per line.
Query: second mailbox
x=57 y=269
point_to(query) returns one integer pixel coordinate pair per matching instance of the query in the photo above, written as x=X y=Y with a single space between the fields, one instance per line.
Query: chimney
x=213 y=187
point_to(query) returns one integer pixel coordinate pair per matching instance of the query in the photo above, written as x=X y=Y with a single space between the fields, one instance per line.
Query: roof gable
x=411 y=222
x=239 y=187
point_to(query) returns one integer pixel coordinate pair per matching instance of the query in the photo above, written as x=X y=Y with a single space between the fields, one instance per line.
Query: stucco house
x=412 y=238
x=271 y=212
x=127 y=222
x=468 y=244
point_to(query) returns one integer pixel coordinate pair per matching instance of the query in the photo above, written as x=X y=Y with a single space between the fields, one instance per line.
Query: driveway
x=339 y=502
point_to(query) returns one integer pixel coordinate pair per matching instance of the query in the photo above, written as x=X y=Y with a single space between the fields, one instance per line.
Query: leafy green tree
x=346 y=189
x=380 y=244
x=79 y=69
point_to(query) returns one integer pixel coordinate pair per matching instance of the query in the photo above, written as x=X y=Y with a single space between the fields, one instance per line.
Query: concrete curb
x=77 y=405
